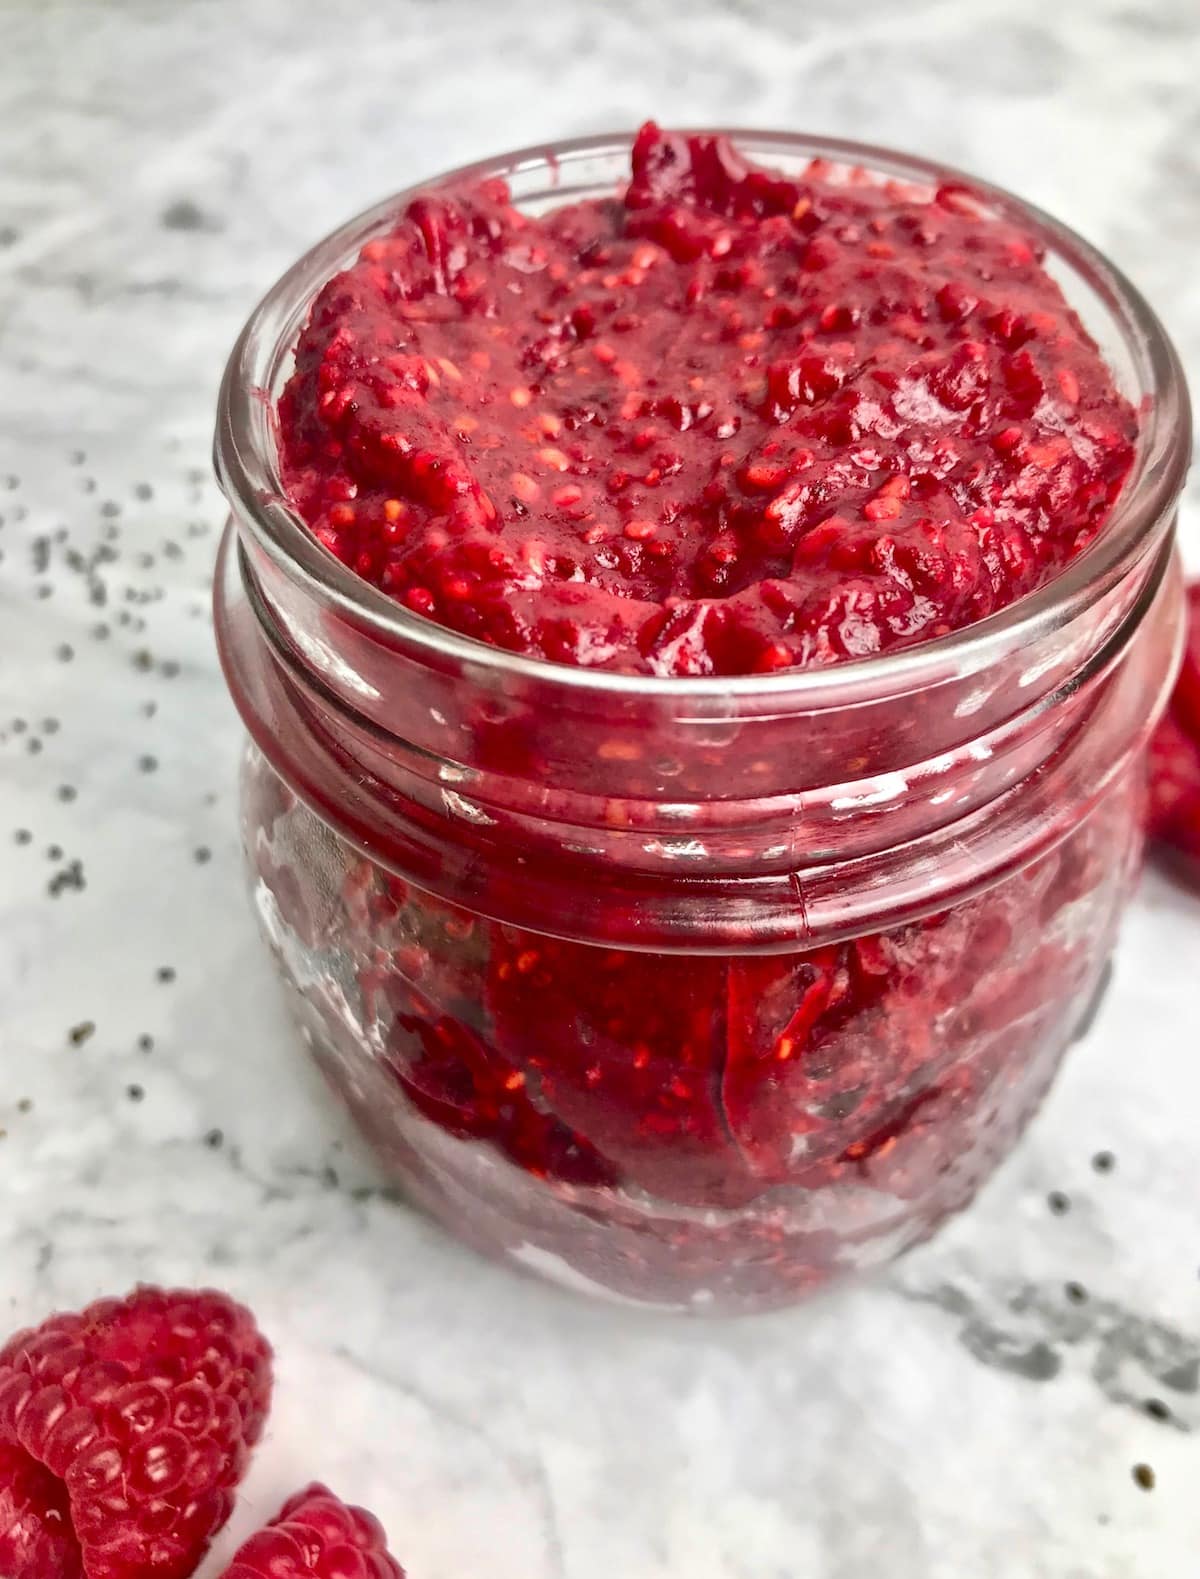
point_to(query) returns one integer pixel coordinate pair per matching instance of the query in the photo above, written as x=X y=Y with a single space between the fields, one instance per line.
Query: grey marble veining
x=969 y=1416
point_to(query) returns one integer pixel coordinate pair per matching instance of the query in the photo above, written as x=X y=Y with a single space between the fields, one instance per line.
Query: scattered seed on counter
x=147 y=764
x=22 y=836
x=165 y=973
x=215 y=1139
x=1104 y=1162
x=64 y=653
x=70 y=878
x=1058 y=1203
x=1076 y=1293
x=1157 y=1410
x=202 y=855
x=1144 y=1476
x=135 y=1093
x=84 y=1031
x=145 y=1042
x=67 y=792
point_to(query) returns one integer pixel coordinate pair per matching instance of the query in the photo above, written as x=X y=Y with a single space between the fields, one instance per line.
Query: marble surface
x=968 y=1416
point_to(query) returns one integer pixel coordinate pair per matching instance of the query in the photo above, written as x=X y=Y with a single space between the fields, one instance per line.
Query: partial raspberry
x=123 y=1433
x=1173 y=815
x=317 y=1534
x=1173 y=818
x=1186 y=700
x=37 y=1540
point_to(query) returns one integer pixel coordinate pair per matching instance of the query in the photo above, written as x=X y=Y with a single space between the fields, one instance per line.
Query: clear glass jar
x=693 y=992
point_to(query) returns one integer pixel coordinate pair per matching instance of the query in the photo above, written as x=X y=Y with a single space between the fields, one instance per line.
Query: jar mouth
x=246 y=449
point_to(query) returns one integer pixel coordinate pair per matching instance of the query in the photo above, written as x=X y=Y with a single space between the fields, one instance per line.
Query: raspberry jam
x=698 y=641
x=730 y=423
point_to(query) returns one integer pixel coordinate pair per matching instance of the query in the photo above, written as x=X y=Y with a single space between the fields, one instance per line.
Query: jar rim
x=246 y=451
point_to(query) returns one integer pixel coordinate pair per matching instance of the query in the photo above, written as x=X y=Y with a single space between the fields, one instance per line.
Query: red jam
x=724 y=424
x=696 y=1130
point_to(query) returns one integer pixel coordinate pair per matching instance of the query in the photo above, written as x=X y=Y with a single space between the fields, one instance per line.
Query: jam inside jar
x=693 y=991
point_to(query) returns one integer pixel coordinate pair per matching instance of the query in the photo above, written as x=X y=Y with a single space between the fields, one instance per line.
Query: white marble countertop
x=964 y=1417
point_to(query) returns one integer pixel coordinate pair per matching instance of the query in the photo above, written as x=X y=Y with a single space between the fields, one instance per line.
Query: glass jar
x=693 y=992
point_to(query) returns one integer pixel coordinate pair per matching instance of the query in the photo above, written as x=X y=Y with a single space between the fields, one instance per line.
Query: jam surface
x=723 y=423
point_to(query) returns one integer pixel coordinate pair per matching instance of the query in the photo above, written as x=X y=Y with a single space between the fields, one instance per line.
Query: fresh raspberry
x=1173 y=815
x=317 y=1533
x=36 y=1538
x=1173 y=818
x=1186 y=699
x=123 y=1433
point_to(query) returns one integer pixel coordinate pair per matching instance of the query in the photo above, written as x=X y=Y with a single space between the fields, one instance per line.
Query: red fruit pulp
x=729 y=1115
x=725 y=423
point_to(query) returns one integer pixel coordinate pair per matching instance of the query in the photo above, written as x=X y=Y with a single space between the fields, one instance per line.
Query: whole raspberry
x=317 y=1533
x=124 y=1430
